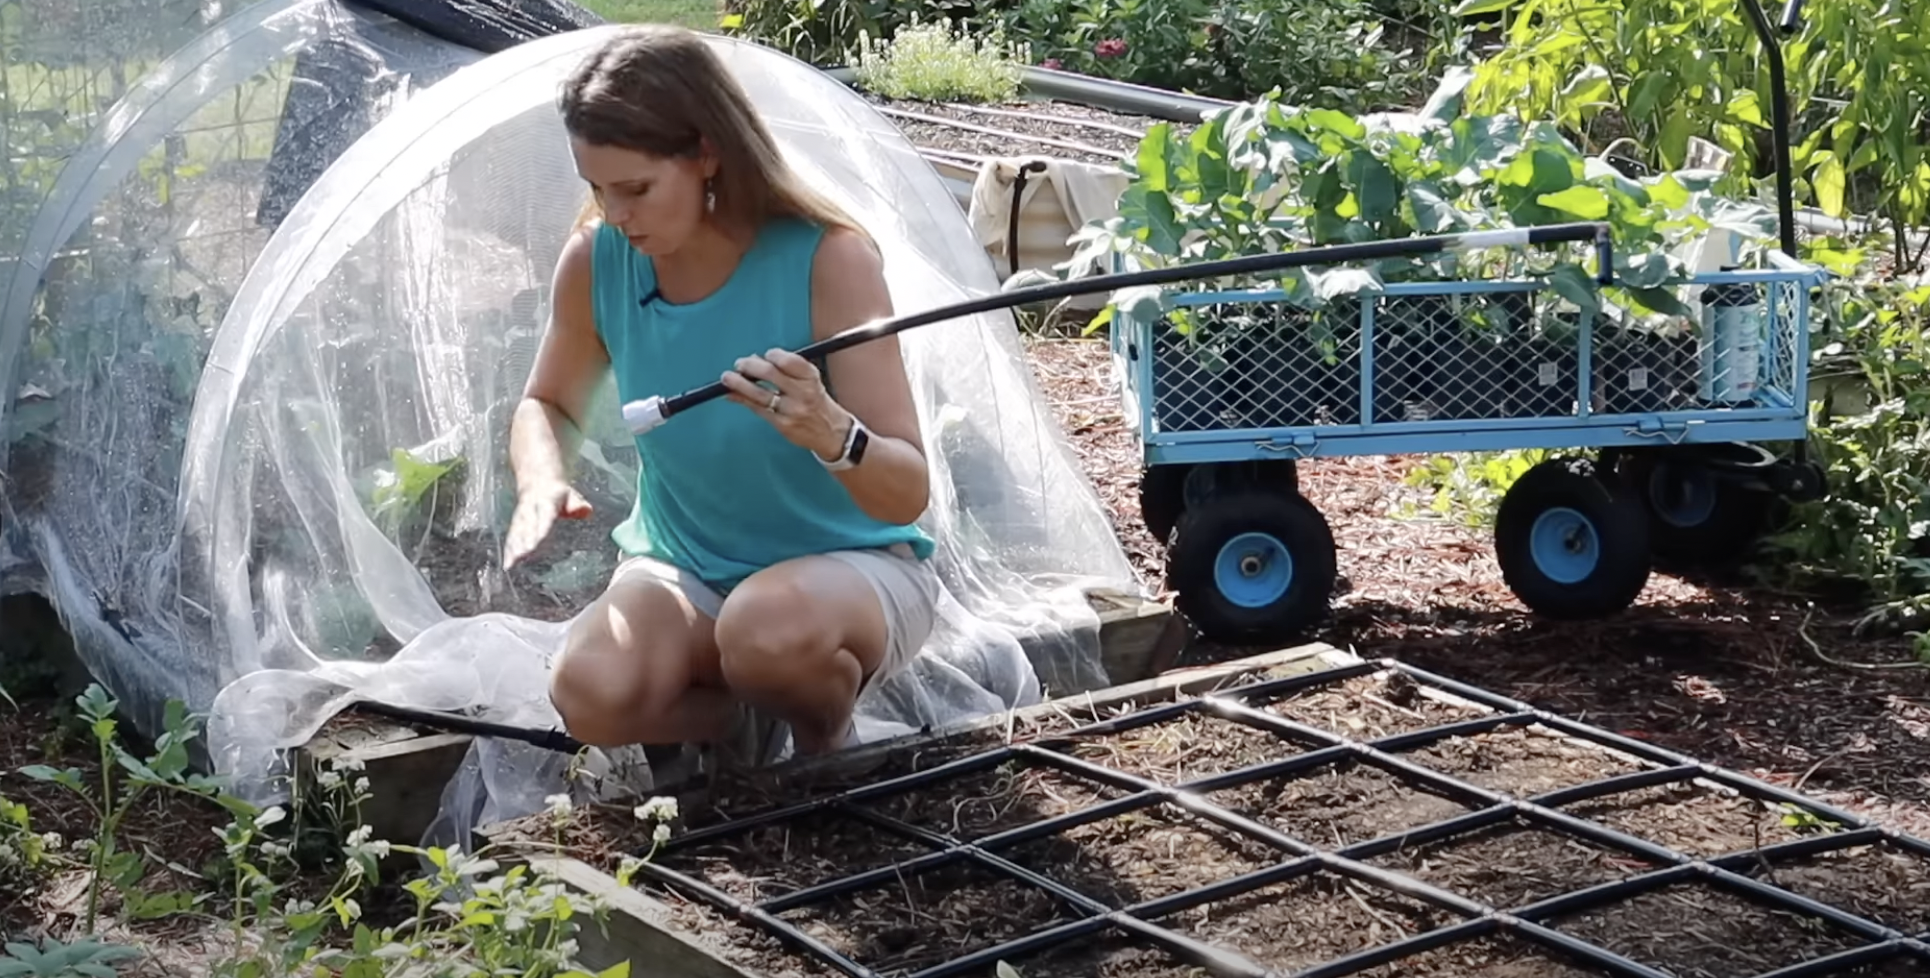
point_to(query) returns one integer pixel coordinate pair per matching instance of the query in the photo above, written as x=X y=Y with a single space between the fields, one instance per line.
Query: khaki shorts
x=907 y=590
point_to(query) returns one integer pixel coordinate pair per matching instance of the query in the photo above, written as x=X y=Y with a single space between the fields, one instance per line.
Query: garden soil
x=906 y=921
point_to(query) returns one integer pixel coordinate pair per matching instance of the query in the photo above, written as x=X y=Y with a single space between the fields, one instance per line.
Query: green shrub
x=1344 y=54
x=1658 y=72
x=935 y=62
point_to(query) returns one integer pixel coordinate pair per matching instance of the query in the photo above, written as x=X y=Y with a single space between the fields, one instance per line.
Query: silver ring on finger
x=775 y=400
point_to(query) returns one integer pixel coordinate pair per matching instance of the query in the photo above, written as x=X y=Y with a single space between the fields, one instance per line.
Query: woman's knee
x=626 y=655
x=774 y=632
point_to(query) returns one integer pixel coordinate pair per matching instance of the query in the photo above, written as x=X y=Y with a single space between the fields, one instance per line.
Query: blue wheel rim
x=1564 y=545
x=1253 y=570
x=1682 y=495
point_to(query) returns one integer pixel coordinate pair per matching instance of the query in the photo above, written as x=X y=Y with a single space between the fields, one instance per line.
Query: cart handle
x=644 y=415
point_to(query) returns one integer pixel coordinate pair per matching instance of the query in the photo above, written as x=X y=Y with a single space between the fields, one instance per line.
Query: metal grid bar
x=1241 y=705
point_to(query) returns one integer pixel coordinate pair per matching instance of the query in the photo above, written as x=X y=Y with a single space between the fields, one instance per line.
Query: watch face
x=858 y=440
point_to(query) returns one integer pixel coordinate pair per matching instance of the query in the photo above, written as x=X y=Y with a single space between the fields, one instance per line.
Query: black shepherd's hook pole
x=1779 y=121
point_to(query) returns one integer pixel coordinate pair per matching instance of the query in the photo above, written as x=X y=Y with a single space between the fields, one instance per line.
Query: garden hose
x=645 y=415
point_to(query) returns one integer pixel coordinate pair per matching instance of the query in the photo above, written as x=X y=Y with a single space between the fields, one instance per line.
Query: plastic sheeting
x=312 y=512
x=125 y=266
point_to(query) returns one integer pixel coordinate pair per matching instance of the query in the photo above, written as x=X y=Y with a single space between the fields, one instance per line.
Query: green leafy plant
x=1873 y=532
x=1467 y=487
x=472 y=914
x=123 y=780
x=938 y=63
x=85 y=958
x=1262 y=176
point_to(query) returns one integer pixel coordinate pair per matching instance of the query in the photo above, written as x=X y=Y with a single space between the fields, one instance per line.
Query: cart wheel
x=1164 y=490
x=1252 y=565
x=1698 y=516
x=1572 y=545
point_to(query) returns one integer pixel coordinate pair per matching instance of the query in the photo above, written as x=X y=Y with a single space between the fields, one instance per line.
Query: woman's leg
x=801 y=640
x=640 y=664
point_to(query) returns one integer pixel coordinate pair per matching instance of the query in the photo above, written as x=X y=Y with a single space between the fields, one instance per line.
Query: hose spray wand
x=645 y=415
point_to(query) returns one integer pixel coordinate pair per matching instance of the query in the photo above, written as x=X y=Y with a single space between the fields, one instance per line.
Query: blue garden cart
x=1655 y=437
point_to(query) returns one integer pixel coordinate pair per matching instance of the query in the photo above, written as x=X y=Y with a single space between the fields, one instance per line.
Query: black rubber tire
x=1736 y=518
x=1163 y=488
x=1615 y=520
x=1228 y=515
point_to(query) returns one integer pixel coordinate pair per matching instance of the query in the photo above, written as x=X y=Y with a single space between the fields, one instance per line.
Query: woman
x=772 y=560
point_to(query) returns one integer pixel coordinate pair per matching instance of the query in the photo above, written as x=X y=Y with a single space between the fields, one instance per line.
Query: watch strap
x=855 y=442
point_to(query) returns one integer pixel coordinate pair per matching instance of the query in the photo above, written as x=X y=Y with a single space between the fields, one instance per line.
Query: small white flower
x=346 y=763
x=329 y=780
x=51 y=841
x=662 y=808
x=662 y=834
x=559 y=805
x=361 y=786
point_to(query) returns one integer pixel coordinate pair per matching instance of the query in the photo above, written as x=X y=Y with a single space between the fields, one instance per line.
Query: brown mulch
x=1724 y=674
x=908 y=920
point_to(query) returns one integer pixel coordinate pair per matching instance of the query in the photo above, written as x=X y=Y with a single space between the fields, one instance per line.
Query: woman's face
x=657 y=202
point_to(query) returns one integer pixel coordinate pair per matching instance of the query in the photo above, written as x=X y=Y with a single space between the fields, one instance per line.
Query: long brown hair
x=661 y=90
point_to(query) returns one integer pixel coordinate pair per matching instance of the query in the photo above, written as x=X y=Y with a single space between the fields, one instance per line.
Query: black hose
x=642 y=416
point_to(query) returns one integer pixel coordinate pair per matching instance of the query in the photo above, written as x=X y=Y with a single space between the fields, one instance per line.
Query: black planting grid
x=1488 y=808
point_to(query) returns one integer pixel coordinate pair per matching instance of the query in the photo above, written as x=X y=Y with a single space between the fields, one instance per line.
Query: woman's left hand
x=800 y=407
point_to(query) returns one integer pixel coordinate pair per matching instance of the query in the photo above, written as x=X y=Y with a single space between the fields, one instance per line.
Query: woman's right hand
x=537 y=509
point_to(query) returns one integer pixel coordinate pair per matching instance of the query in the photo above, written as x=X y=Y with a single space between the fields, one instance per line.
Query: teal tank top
x=721 y=493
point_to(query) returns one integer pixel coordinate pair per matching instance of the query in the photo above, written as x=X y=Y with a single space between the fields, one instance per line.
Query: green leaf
x=1746 y=108
x=1151 y=171
x=1583 y=201
x=1590 y=86
x=1572 y=282
x=1470 y=8
x=1646 y=92
x=1830 y=183
x=1432 y=212
x=1660 y=301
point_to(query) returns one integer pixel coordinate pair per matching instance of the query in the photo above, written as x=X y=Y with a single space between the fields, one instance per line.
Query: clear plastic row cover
x=151 y=147
x=345 y=488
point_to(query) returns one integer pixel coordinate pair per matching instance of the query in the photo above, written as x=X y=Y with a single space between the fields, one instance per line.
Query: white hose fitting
x=643 y=416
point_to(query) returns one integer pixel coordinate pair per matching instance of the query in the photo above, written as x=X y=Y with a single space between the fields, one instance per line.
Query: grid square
x=1521 y=762
x=994 y=799
x=1186 y=748
x=1693 y=817
x=1700 y=930
x=1143 y=855
x=1372 y=707
x=1883 y=883
x=1496 y=956
x=1307 y=920
x=1338 y=805
x=930 y=917
x=1512 y=864
x=791 y=854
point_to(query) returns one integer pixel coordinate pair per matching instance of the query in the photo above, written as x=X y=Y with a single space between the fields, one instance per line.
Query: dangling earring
x=710 y=196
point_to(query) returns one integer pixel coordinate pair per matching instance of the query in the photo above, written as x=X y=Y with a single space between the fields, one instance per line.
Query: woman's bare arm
x=868 y=380
x=547 y=428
